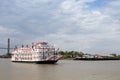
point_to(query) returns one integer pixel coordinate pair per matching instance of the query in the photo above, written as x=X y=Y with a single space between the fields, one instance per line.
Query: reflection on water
x=63 y=70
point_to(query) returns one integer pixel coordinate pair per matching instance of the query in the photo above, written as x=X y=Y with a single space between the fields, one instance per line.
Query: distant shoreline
x=5 y=56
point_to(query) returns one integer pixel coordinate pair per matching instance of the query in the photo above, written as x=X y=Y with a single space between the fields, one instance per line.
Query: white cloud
x=97 y=25
x=69 y=24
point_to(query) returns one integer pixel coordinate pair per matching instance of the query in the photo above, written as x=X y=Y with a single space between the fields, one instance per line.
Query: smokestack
x=8 y=51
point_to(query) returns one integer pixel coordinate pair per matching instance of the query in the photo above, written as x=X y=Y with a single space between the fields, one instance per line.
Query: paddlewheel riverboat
x=40 y=52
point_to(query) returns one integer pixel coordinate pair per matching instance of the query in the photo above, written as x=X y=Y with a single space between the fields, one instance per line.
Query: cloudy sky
x=91 y=26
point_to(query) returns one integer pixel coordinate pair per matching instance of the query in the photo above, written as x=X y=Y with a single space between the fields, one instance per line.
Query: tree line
x=73 y=54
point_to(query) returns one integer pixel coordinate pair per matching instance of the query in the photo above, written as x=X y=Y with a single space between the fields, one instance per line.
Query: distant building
x=104 y=56
x=97 y=57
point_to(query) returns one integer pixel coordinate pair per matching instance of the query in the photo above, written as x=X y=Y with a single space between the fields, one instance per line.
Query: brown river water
x=63 y=70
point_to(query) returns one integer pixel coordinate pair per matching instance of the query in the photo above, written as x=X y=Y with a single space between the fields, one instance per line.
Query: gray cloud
x=69 y=24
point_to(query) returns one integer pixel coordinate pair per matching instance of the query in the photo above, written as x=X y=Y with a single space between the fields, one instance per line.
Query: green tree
x=115 y=55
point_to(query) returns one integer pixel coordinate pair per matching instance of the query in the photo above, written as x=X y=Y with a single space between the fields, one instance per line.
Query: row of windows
x=23 y=54
x=25 y=58
x=46 y=52
x=35 y=50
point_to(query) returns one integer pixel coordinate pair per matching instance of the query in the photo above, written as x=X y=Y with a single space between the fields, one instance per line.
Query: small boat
x=40 y=52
